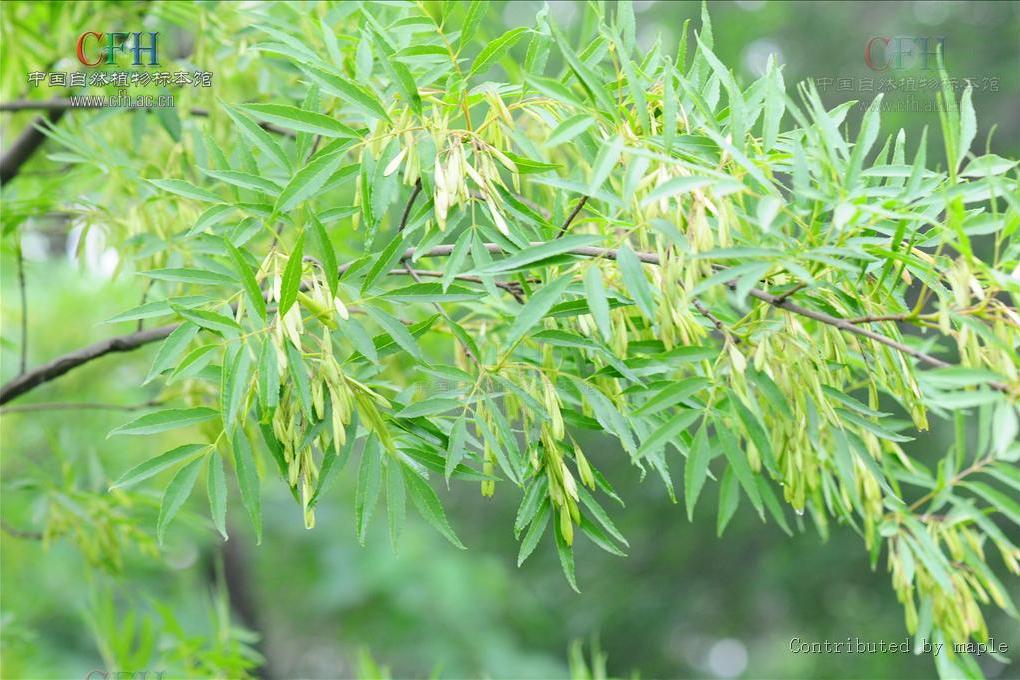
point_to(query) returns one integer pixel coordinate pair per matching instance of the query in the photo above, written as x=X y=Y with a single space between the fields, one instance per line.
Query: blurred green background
x=683 y=603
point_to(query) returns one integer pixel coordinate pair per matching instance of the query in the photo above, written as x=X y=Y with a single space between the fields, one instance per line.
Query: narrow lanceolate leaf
x=244 y=180
x=635 y=282
x=216 y=487
x=604 y=163
x=538 y=253
x=172 y=349
x=495 y=49
x=396 y=500
x=534 y=533
x=291 y=283
x=667 y=432
x=185 y=189
x=426 y=502
x=968 y=124
x=537 y=307
x=168 y=419
x=396 y=330
x=455 y=449
x=164 y=461
x=269 y=376
x=308 y=181
x=568 y=129
x=176 y=493
x=865 y=140
x=184 y=275
x=326 y=254
x=303 y=121
x=369 y=482
x=432 y=291
x=248 y=481
x=351 y=92
x=741 y=468
x=251 y=287
x=595 y=293
x=696 y=470
x=566 y=555
x=214 y=321
x=261 y=139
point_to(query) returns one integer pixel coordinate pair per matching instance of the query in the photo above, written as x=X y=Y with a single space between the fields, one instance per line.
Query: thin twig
x=414 y=273
x=19 y=533
x=716 y=321
x=572 y=215
x=77 y=406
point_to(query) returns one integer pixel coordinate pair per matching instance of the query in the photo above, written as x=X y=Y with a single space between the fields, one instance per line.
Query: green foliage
x=721 y=277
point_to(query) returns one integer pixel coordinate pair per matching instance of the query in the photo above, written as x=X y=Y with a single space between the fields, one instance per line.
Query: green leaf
x=536 y=308
x=251 y=286
x=396 y=501
x=168 y=419
x=257 y=136
x=671 y=395
x=326 y=253
x=455 y=449
x=432 y=292
x=741 y=468
x=396 y=330
x=568 y=129
x=181 y=275
x=566 y=555
x=988 y=166
x=369 y=482
x=429 y=407
x=495 y=49
x=595 y=294
x=171 y=349
x=212 y=320
x=304 y=121
x=351 y=92
x=998 y=500
x=216 y=487
x=696 y=470
x=677 y=185
x=235 y=377
x=865 y=140
x=537 y=253
x=244 y=180
x=176 y=493
x=154 y=466
x=475 y=14
x=534 y=533
x=968 y=124
x=185 y=189
x=635 y=282
x=729 y=500
x=308 y=181
x=299 y=373
x=248 y=481
x=427 y=503
x=604 y=163
x=666 y=432
x=291 y=282
x=269 y=376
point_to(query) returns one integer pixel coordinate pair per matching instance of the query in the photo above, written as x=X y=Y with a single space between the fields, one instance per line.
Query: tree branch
x=25 y=145
x=125 y=343
x=59 y=106
x=61 y=365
